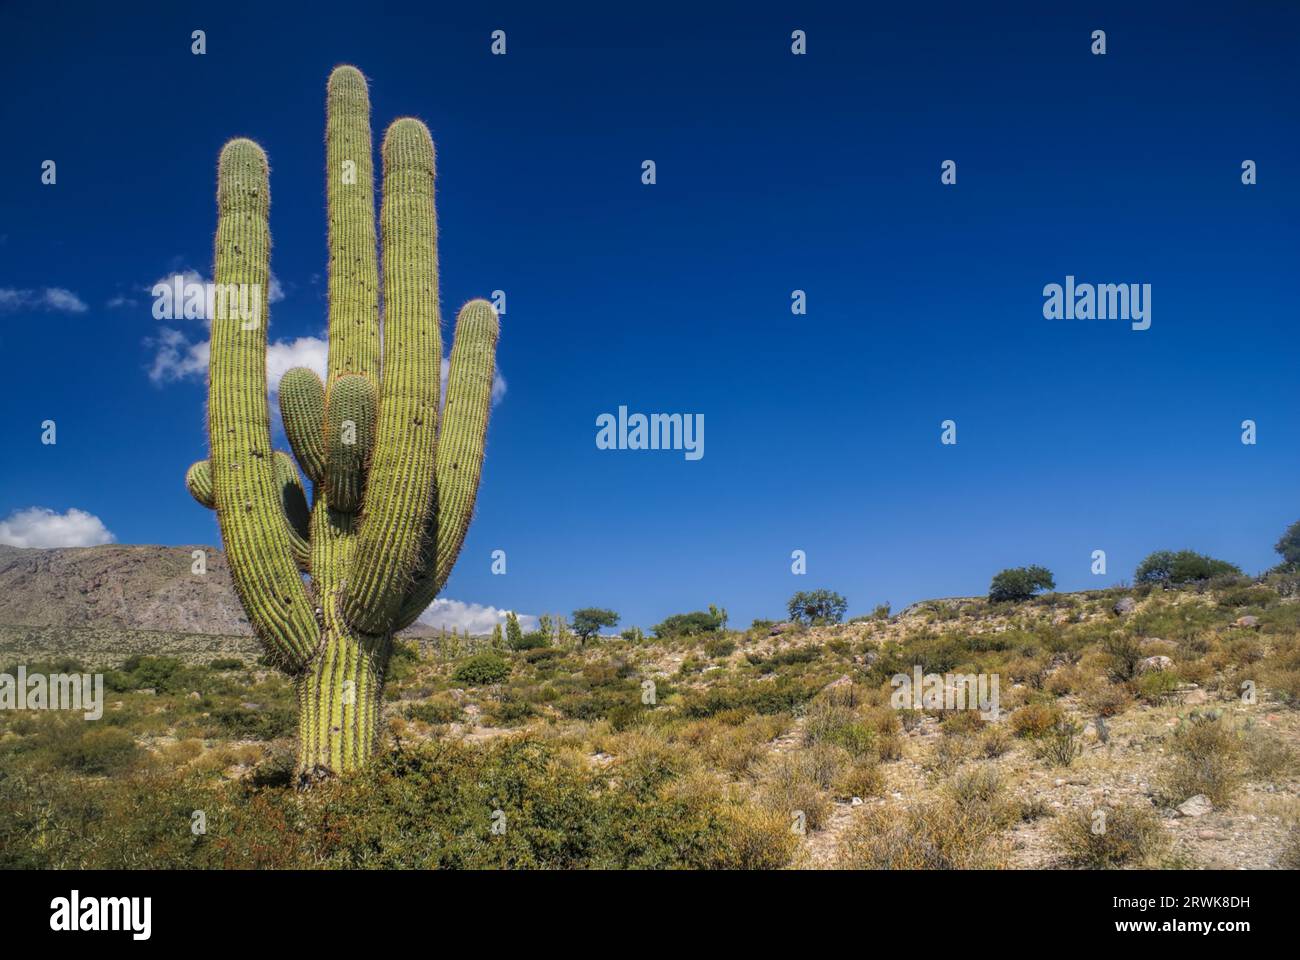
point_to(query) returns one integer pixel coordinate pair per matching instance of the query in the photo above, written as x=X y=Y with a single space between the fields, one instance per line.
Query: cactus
x=393 y=488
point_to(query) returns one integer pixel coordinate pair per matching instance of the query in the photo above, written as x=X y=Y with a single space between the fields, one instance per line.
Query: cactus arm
x=461 y=438
x=302 y=408
x=249 y=505
x=350 y=435
x=399 y=487
x=353 y=271
x=297 y=516
x=198 y=480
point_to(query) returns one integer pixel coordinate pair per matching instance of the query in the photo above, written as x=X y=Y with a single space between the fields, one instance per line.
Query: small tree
x=817 y=607
x=1289 y=547
x=588 y=621
x=498 y=639
x=1020 y=583
x=514 y=636
x=1169 y=568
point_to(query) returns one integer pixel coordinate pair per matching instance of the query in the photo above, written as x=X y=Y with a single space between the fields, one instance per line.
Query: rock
x=856 y=801
x=779 y=628
x=1197 y=806
x=1151 y=664
x=147 y=691
x=195 y=695
x=1247 y=622
x=1195 y=696
x=249 y=705
x=844 y=681
x=1125 y=605
x=1150 y=642
x=1058 y=782
x=1208 y=835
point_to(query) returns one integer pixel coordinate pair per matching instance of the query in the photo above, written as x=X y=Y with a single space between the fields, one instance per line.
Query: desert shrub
x=789 y=787
x=263 y=723
x=482 y=668
x=757 y=839
x=938 y=835
x=1020 y=583
x=1170 y=568
x=436 y=711
x=764 y=698
x=95 y=749
x=226 y=663
x=950 y=753
x=1247 y=597
x=994 y=741
x=862 y=779
x=1206 y=759
x=1033 y=720
x=1267 y=755
x=1289 y=858
x=1123 y=652
x=689 y=625
x=719 y=647
x=1157 y=686
x=1109 y=837
x=1106 y=700
x=827 y=722
x=1059 y=744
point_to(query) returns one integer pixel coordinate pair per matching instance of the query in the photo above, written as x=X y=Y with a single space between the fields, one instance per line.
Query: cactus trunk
x=393 y=482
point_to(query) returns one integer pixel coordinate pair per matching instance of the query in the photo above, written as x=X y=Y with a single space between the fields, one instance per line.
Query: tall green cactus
x=393 y=488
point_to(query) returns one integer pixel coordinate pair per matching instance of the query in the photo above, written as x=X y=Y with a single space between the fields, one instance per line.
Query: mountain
x=115 y=586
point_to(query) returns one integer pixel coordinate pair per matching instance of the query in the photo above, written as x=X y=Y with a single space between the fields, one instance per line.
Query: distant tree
x=720 y=613
x=588 y=621
x=498 y=639
x=633 y=634
x=1170 y=568
x=1020 y=583
x=514 y=636
x=1289 y=547
x=688 y=625
x=817 y=607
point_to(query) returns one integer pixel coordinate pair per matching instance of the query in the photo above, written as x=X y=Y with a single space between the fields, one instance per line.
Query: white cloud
x=475 y=618
x=42 y=527
x=51 y=298
x=177 y=358
x=284 y=355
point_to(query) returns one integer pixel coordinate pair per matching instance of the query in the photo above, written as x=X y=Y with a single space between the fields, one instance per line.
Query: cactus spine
x=393 y=488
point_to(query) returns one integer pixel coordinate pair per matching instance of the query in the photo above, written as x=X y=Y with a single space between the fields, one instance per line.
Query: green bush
x=1169 y=568
x=688 y=625
x=1020 y=583
x=482 y=668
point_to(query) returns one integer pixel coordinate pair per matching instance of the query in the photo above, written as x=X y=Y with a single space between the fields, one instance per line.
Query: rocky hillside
x=122 y=587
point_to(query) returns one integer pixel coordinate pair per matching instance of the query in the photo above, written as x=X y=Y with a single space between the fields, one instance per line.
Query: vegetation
x=817 y=607
x=588 y=621
x=1020 y=583
x=706 y=747
x=1170 y=569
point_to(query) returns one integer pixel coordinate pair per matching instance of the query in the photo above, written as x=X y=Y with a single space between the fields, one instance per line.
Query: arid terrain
x=1136 y=727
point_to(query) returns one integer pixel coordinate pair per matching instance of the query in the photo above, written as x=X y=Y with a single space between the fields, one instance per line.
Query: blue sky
x=775 y=172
